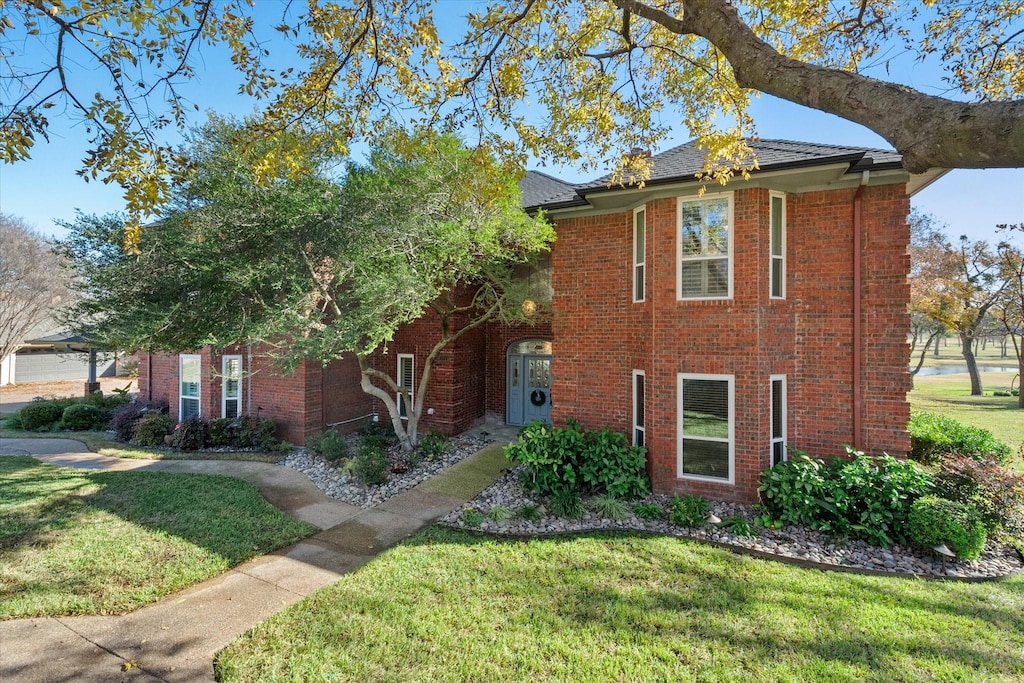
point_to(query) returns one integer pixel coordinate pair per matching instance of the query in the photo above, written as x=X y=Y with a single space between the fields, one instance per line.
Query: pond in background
x=962 y=369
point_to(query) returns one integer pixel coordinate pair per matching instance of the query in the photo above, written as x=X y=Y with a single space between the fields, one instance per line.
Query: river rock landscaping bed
x=335 y=482
x=793 y=543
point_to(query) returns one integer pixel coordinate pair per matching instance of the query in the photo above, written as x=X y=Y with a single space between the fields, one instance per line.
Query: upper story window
x=639 y=254
x=705 y=247
x=777 y=267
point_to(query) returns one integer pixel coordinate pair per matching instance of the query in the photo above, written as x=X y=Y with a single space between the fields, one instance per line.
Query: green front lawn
x=453 y=606
x=86 y=542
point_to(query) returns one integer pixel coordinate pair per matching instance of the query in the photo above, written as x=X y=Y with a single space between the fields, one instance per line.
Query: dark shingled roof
x=682 y=163
x=540 y=189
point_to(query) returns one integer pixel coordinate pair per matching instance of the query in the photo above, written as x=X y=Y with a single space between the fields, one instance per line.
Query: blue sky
x=46 y=188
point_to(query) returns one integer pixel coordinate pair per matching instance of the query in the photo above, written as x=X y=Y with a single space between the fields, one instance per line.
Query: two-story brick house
x=718 y=325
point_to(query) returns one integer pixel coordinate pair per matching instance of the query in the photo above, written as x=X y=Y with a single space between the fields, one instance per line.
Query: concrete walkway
x=177 y=638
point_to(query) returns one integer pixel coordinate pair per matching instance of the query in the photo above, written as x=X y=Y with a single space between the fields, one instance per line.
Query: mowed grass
x=950 y=395
x=453 y=606
x=103 y=444
x=86 y=542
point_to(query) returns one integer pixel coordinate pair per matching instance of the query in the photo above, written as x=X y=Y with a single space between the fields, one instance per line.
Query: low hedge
x=933 y=436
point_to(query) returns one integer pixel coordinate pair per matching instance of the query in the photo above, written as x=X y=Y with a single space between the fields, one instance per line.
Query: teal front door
x=528 y=382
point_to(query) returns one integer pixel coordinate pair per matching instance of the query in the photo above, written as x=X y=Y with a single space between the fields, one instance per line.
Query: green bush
x=609 y=507
x=862 y=496
x=935 y=520
x=370 y=465
x=434 y=444
x=40 y=416
x=571 y=459
x=997 y=493
x=189 y=435
x=13 y=422
x=329 y=445
x=932 y=436
x=567 y=503
x=126 y=417
x=82 y=416
x=738 y=525
x=221 y=432
x=151 y=428
x=648 y=511
x=256 y=432
x=688 y=511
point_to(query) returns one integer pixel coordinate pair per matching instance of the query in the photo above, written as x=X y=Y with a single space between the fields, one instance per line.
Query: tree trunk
x=937 y=340
x=972 y=364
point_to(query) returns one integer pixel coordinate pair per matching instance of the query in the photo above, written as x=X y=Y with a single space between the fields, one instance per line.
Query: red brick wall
x=601 y=336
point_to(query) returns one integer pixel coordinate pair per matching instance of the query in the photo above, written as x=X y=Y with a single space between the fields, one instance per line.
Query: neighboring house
x=718 y=329
x=53 y=357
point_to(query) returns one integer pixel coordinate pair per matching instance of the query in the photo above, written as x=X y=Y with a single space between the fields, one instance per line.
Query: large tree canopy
x=539 y=77
x=314 y=268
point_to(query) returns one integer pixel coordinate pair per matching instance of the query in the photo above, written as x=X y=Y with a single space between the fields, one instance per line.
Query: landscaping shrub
x=864 y=497
x=608 y=507
x=256 y=432
x=433 y=445
x=571 y=459
x=82 y=416
x=39 y=416
x=567 y=503
x=932 y=436
x=935 y=520
x=648 y=511
x=151 y=428
x=13 y=422
x=997 y=493
x=189 y=435
x=329 y=445
x=221 y=432
x=124 y=420
x=688 y=511
x=370 y=465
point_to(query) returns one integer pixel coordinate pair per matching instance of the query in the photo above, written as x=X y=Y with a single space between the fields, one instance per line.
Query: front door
x=529 y=382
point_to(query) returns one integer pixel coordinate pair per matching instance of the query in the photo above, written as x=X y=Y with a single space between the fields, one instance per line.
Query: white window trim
x=679 y=245
x=224 y=384
x=731 y=379
x=640 y=264
x=637 y=427
x=412 y=384
x=772 y=439
x=199 y=385
x=771 y=256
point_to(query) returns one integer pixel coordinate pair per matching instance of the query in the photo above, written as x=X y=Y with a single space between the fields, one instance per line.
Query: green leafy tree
x=317 y=268
x=535 y=77
x=1009 y=310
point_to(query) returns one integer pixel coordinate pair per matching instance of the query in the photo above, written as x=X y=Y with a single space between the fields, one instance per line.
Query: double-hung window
x=778 y=441
x=704 y=237
x=777 y=267
x=639 y=409
x=405 y=381
x=189 y=372
x=639 y=254
x=231 y=387
x=706 y=414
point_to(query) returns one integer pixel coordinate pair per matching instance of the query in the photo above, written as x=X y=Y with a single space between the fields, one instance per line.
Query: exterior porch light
x=529 y=307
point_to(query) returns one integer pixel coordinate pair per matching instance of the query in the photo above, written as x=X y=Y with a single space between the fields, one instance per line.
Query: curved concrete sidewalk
x=177 y=638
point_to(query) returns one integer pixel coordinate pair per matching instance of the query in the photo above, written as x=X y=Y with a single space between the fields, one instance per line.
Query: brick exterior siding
x=600 y=336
